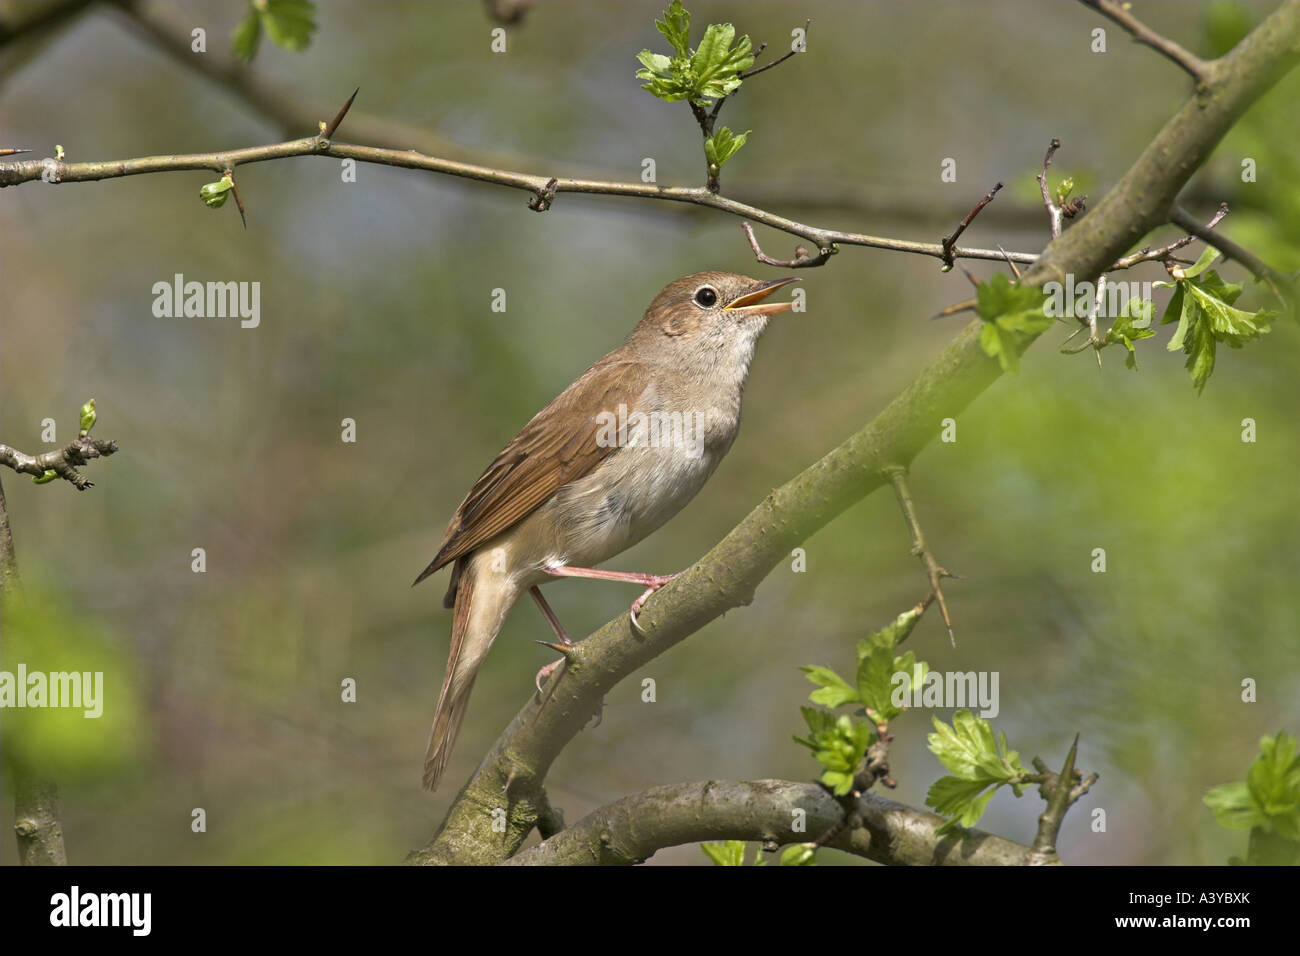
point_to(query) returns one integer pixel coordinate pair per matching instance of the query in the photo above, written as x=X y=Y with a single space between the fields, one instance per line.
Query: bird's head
x=711 y=316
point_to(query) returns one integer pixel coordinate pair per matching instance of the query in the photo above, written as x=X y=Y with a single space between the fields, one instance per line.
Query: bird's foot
x=653 y=583
x=561 y=649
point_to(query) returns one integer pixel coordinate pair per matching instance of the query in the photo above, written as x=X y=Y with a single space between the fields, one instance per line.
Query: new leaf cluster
x=1267 y=803
x=840 y=742
x=709 y=72
x=1202 y=304
x=1013 y=313
x=979 y=765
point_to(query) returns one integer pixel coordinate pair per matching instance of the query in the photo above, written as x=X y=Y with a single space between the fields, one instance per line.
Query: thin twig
x=1147 y=254
x=1276 y=279
x=746 y=74
x=951 y=240
x=1197 y=68
x=934 y=572
x=25 y=171
x=801 y=260
x=1053 y=210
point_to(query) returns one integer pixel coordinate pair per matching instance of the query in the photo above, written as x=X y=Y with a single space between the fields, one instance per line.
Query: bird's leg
x=554 y=621
x=560 y=648
x=651 y=582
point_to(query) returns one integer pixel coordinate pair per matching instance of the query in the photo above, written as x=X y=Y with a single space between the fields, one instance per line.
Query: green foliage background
x=376 y=306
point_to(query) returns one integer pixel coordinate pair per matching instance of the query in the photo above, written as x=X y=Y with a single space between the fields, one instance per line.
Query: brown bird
x=617 y=454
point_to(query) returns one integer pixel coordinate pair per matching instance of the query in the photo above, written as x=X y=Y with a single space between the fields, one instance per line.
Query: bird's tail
x=475 y=622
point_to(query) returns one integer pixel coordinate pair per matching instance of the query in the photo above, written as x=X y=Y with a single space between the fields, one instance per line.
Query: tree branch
x=934 y=572
x=634 y=828
x=63 y=461
x=1283 y=285
x=1060 y=791
x=1197 y=68
x=1164 y=253
x=36 y=823
x=52 y=171
x=727 y=576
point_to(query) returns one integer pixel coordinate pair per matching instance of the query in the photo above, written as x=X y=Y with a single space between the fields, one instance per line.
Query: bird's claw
x=655 y=584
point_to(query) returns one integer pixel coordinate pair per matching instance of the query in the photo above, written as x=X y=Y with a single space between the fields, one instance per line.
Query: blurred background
x=223 y=687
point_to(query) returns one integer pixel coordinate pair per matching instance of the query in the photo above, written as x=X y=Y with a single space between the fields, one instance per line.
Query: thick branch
x=727 y=576
x=634 y=828
x=36 y=823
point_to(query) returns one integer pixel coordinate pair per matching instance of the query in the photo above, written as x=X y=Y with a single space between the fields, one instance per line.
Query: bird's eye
x=705 y=296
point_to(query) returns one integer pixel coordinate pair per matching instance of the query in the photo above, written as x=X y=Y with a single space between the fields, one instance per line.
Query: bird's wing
x=558 y=446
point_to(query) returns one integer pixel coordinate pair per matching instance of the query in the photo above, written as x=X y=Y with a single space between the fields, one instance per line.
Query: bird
x=606 y=463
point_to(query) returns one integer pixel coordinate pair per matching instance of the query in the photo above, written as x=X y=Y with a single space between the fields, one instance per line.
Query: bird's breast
x=660 y=463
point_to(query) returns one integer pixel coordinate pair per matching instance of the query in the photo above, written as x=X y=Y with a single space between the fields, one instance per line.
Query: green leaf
x=214 y=194
x=1268 y=801
x=716 y=63
x=676 y=28
x=247 y=35
x=834 y=692
x=800 y=854
x=1233 y=806
x=1011 y=312
x=968 y=749
x=875 y=678
x=891 y=635
x=1001 y=345
x=88 y=417
x=1000 y=296
x=840 y=750
x=1123 y=332
x=730 y=853
x=1206 y=317
x=1228 y=324
x=722 y=145
x=964 y=800
x=45 y=479
x=839 y=782
x=1203 y=263
x=1274 y=782
x=289 y=23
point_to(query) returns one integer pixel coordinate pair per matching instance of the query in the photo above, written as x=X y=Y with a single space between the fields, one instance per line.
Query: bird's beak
x=749 y=301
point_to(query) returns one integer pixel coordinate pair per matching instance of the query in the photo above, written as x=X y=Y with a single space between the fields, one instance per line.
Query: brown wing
x=558 y=446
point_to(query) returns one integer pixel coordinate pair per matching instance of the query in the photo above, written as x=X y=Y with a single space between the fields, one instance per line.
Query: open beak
x=749 y=301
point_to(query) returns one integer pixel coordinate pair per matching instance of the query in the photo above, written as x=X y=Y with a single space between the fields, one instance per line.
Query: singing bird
x=617 y=454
